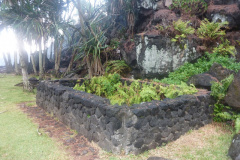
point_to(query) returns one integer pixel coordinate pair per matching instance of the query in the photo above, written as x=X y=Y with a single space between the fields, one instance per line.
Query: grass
x=209 y=142
x=18 y=135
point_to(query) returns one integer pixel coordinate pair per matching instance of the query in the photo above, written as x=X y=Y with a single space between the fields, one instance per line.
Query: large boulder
x=234 y=150
x=146 y=4
x=233 y=93
x=215 y=74
x=218 y=71
x=202 y=80
x=164 y=17
x=222 y=13
x=154 y=56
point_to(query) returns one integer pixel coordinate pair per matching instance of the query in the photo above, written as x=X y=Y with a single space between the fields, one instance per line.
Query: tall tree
x=16 y=63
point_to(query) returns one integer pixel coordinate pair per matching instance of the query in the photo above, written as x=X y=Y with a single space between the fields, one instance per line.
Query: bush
x=190 y=7
x=109 y=86
x=182 y=30
x=117 y=66
x=225 y=48
x=211 y=30
x=183 y=73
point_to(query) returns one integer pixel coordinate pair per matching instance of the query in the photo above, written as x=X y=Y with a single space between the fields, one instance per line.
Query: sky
x=8 y=43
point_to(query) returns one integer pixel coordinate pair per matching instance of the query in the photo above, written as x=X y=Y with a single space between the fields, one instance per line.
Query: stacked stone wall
x=116 y=129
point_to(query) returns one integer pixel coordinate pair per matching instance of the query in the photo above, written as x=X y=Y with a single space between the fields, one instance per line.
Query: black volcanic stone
x=234 y=150
x=139 y=143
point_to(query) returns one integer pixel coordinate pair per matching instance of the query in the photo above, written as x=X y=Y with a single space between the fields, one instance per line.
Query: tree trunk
x=71 y=62
x=9 y=61
x=56 y=57
x=44 y=61
x=51 y=53
x=33 y=64
x=59 y=54
x=22 y=52
x=5 y=60
x=40 y=60
x=16 y=63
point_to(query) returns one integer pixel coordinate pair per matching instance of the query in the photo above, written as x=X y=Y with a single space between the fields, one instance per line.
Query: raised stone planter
x=116 y=128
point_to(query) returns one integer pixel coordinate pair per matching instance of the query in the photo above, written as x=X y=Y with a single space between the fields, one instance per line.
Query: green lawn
x=19 y=139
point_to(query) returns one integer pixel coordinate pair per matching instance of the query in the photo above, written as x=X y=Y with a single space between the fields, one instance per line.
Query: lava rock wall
x=118 y=129
x=151 y=54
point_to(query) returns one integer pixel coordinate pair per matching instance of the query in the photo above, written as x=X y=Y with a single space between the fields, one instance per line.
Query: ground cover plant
x=224 y=113
x=19 y=138
x=111 y=87
x=203 y=64
x=191 y=7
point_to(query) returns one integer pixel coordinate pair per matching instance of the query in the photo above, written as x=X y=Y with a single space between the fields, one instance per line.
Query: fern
x=183 y=30
x=219 y=89
x=211 y=30
x=190 y=7
x=224 y=116
x=117 y=66
x=110 y=87
x=173 y=91
x=225 y=48
x=203 y=64
x=237 y=125
x=149 y=93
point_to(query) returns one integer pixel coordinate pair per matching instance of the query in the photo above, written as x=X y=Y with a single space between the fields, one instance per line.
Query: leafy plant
x=182 y=30
x=219 y=89
x=225 y=48
x=228 y=116
x=110 y=87
x=192 y=7
x=161 y=28
x=117 y=66
x=173 y=91
x=211 y=30
x=203 y=64
x=221 y=112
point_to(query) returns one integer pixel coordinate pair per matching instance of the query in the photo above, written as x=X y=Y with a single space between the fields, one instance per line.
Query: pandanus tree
x=93 y=42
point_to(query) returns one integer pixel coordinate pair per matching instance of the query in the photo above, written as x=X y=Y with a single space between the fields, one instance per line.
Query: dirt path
x=77 y=146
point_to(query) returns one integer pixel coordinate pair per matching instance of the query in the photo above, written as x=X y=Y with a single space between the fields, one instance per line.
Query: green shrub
x=227 y=115
x=225 y=48
x=109 y=86
x=224 y=113
x=117 y=66
x=190 y=7
x=219 y=89
x=182 y=30
x=211 y=30
x=203 y=64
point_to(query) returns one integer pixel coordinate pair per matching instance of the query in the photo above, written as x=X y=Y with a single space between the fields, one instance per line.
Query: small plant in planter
x=111 y=87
